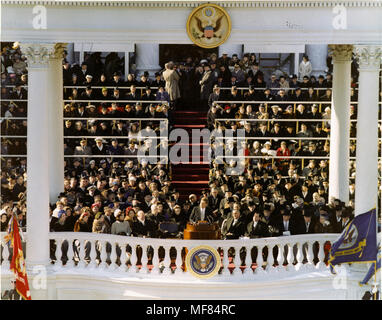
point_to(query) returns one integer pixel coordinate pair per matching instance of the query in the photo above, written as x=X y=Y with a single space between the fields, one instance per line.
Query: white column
x=147 y=58
x=56 y=127
x=369 y=59
x=230 y=49
x=37 y=246
x=317 y=54
x=296 y=62
x=340 y=123
x=127 y=62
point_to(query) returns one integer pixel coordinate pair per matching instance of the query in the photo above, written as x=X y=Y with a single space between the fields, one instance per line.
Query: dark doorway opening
x=179 y=52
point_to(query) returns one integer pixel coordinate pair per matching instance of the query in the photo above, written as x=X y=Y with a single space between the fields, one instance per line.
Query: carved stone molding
x=191 y=4
x=368 y=57
x=341 y=52
x=38 y=55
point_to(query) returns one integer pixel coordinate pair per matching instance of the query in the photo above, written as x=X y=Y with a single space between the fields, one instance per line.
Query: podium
x=202 y=231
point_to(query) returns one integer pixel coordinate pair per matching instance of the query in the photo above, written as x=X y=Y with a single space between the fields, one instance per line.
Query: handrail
x=190 y=243
x=100 y=101
x=271 y=102
x=116 y=119
x=119 y=101
x=275 y=120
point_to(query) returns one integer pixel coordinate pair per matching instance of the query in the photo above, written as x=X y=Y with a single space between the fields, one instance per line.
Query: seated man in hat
x=117 y=81
x=88 y=94
x=88 y=80
x=99 y=148
x=104 y=94
x=83 y=149
x=148 y=95
x=309 y=220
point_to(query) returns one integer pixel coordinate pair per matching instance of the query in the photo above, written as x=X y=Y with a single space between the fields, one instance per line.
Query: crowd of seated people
x=120 y=195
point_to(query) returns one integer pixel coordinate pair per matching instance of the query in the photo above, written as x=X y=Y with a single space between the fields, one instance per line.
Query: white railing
x=154 y=257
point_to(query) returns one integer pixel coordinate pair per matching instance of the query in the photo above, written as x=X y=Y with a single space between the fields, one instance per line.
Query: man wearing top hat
x=309 y=220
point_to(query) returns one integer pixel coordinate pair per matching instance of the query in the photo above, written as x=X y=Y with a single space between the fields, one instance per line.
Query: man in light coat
x=172 y=81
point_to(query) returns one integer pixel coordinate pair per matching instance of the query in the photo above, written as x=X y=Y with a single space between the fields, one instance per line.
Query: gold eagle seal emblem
x=203 y=262
x=208 y=26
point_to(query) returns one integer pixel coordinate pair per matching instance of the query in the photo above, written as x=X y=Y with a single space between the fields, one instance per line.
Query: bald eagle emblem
x=350 y=238
x=209 y=28
x=202 y=262
x=208 y=25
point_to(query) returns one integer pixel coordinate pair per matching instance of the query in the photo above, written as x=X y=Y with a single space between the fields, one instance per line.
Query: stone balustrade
x=150 y=257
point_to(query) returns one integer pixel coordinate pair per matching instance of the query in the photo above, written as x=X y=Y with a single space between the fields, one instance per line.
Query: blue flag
x=358 y=241
x=373 y=269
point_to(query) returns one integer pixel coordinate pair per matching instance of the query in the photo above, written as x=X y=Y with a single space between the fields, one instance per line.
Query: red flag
x=18 y=263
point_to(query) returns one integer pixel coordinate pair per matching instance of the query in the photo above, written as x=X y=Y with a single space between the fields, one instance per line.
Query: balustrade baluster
x=280 y=258
x=310 y=255
x=237 y=262
x=290 y=257
x=93 y=254
x=167 y=261
x=58 y=254
x=270 y=259
x=178 y=260
x=225 y=271
x=6 y=255
x=299 y=256
x=123 y=258
x=259 y=260
x=248 y=272
x=133 y=259
x=103 y=255
x=144 y=259
x=321 y=255
x=70 y=263
x=155 y=260
x=113 y=256
x=81 y=253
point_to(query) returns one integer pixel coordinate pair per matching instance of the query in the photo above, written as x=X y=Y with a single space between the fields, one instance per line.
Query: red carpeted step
x=192 y=176
x=189 y=126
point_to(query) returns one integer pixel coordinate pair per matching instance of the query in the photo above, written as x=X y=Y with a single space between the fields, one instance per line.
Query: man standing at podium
x=202 y=212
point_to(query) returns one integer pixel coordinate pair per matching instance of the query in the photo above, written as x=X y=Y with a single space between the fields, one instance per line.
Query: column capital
x=368 y=57
x=341 y=52
x=38 y=54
